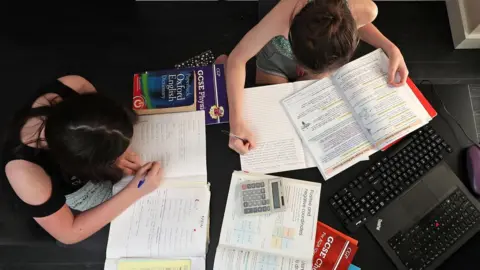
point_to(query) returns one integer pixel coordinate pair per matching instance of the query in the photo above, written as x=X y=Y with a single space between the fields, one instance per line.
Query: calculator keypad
x=254 y=198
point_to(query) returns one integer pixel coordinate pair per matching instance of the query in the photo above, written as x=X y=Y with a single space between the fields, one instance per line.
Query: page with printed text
x=385 y=113
x=289 y=234
x=324 y=121
x=169 y=222
x=236 y=259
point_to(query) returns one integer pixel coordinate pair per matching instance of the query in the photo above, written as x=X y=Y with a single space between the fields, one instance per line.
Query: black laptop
x=428 y=223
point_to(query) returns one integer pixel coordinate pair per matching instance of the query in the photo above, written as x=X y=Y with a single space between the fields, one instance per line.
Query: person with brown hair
x=299 y=40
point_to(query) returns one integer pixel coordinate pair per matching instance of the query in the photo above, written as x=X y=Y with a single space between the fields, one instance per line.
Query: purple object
x=473 y=167
x=140 y=183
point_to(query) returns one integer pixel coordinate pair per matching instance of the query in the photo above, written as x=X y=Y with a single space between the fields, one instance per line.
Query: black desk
x=221 y=162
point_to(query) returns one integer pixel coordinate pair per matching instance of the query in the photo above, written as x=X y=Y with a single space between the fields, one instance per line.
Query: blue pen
x=140 y=183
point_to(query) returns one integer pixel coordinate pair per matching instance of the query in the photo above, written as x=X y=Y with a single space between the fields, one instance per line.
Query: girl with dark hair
x=62 y=153
x=302 y=39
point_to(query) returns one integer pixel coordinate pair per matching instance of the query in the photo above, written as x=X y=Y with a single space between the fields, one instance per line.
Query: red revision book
x=333 y=249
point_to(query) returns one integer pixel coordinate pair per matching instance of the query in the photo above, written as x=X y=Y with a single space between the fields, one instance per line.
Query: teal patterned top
x=283 y=45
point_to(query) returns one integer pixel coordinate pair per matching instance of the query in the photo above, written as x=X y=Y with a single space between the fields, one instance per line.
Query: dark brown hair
x=324 y=35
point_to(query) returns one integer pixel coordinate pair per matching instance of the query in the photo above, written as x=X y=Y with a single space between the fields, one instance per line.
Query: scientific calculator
x=262 y=196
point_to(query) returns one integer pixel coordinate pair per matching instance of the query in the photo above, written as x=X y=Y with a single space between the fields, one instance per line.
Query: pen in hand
x=140 y=183
x=234 y=136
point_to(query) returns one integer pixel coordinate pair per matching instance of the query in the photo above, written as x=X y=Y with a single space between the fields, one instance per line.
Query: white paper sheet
x=278 y=146
x=235 y=259
x=289 y=234
x=177 y=140
x=169 y=222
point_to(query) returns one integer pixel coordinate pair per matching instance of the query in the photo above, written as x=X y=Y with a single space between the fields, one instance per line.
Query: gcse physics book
x=345 y=118
x=282 y=240
x=333 y=249
x=180 y=90
x=170 y=223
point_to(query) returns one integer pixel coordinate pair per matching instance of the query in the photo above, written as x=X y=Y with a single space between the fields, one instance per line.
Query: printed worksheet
x=289 y=234
x=236 y=259
x=169 y=222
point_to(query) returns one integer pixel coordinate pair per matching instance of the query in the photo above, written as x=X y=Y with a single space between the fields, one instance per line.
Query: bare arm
x=364 y=12
x=34 y=187
x=70 y=229
x=275 y=23
x=78 y=83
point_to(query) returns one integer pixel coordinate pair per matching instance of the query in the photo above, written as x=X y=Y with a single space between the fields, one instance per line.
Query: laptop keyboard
x=387 y=179
x=421 y=244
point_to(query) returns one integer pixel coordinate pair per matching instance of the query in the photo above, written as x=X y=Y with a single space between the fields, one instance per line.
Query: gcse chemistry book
x=182 y=90
x=345 y=118
x=282 y=240
x=333 y=249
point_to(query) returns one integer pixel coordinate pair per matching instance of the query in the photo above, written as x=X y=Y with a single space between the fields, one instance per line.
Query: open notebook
x=279 y=148
x=323 y=108
x=171 y=222
x=283 y=240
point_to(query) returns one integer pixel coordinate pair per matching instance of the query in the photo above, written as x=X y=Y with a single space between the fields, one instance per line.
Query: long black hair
x=85 y=134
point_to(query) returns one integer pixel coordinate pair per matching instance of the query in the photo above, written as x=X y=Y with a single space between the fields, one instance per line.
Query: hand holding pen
x=148 y=178
x=241 y=138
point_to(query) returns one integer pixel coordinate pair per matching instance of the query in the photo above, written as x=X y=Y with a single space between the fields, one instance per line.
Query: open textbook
x=348 y=116
x=283 y=240
x=337 y=104
x=172 y=222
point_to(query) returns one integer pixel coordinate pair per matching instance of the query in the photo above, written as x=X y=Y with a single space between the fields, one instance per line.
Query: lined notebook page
x=176 y=140
x=278 y=146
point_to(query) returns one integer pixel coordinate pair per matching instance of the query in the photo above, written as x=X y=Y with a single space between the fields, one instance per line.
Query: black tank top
x=15 y=149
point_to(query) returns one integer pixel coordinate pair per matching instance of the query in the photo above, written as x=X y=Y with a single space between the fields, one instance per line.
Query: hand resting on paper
x=152 y=172
x=241 y=130
x=396 y=66
x=129 y=162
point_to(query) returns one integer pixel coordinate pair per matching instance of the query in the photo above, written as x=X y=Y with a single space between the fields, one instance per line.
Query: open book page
x=197 y=263
x=169 y=222
x=287 y=234
x=176 y=140
x=278 y=146
x=326 y=125
x=236 y=259
x=309 y=160
x=386 y=113
x=179 y=182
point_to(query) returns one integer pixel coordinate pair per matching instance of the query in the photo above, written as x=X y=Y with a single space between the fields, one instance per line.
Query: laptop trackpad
x=418 y=201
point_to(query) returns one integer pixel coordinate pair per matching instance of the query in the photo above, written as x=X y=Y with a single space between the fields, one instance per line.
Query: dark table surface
x=113 y=57
x=221 y=162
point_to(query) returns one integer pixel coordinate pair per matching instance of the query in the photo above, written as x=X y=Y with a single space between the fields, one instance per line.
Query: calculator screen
x=275 y=195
